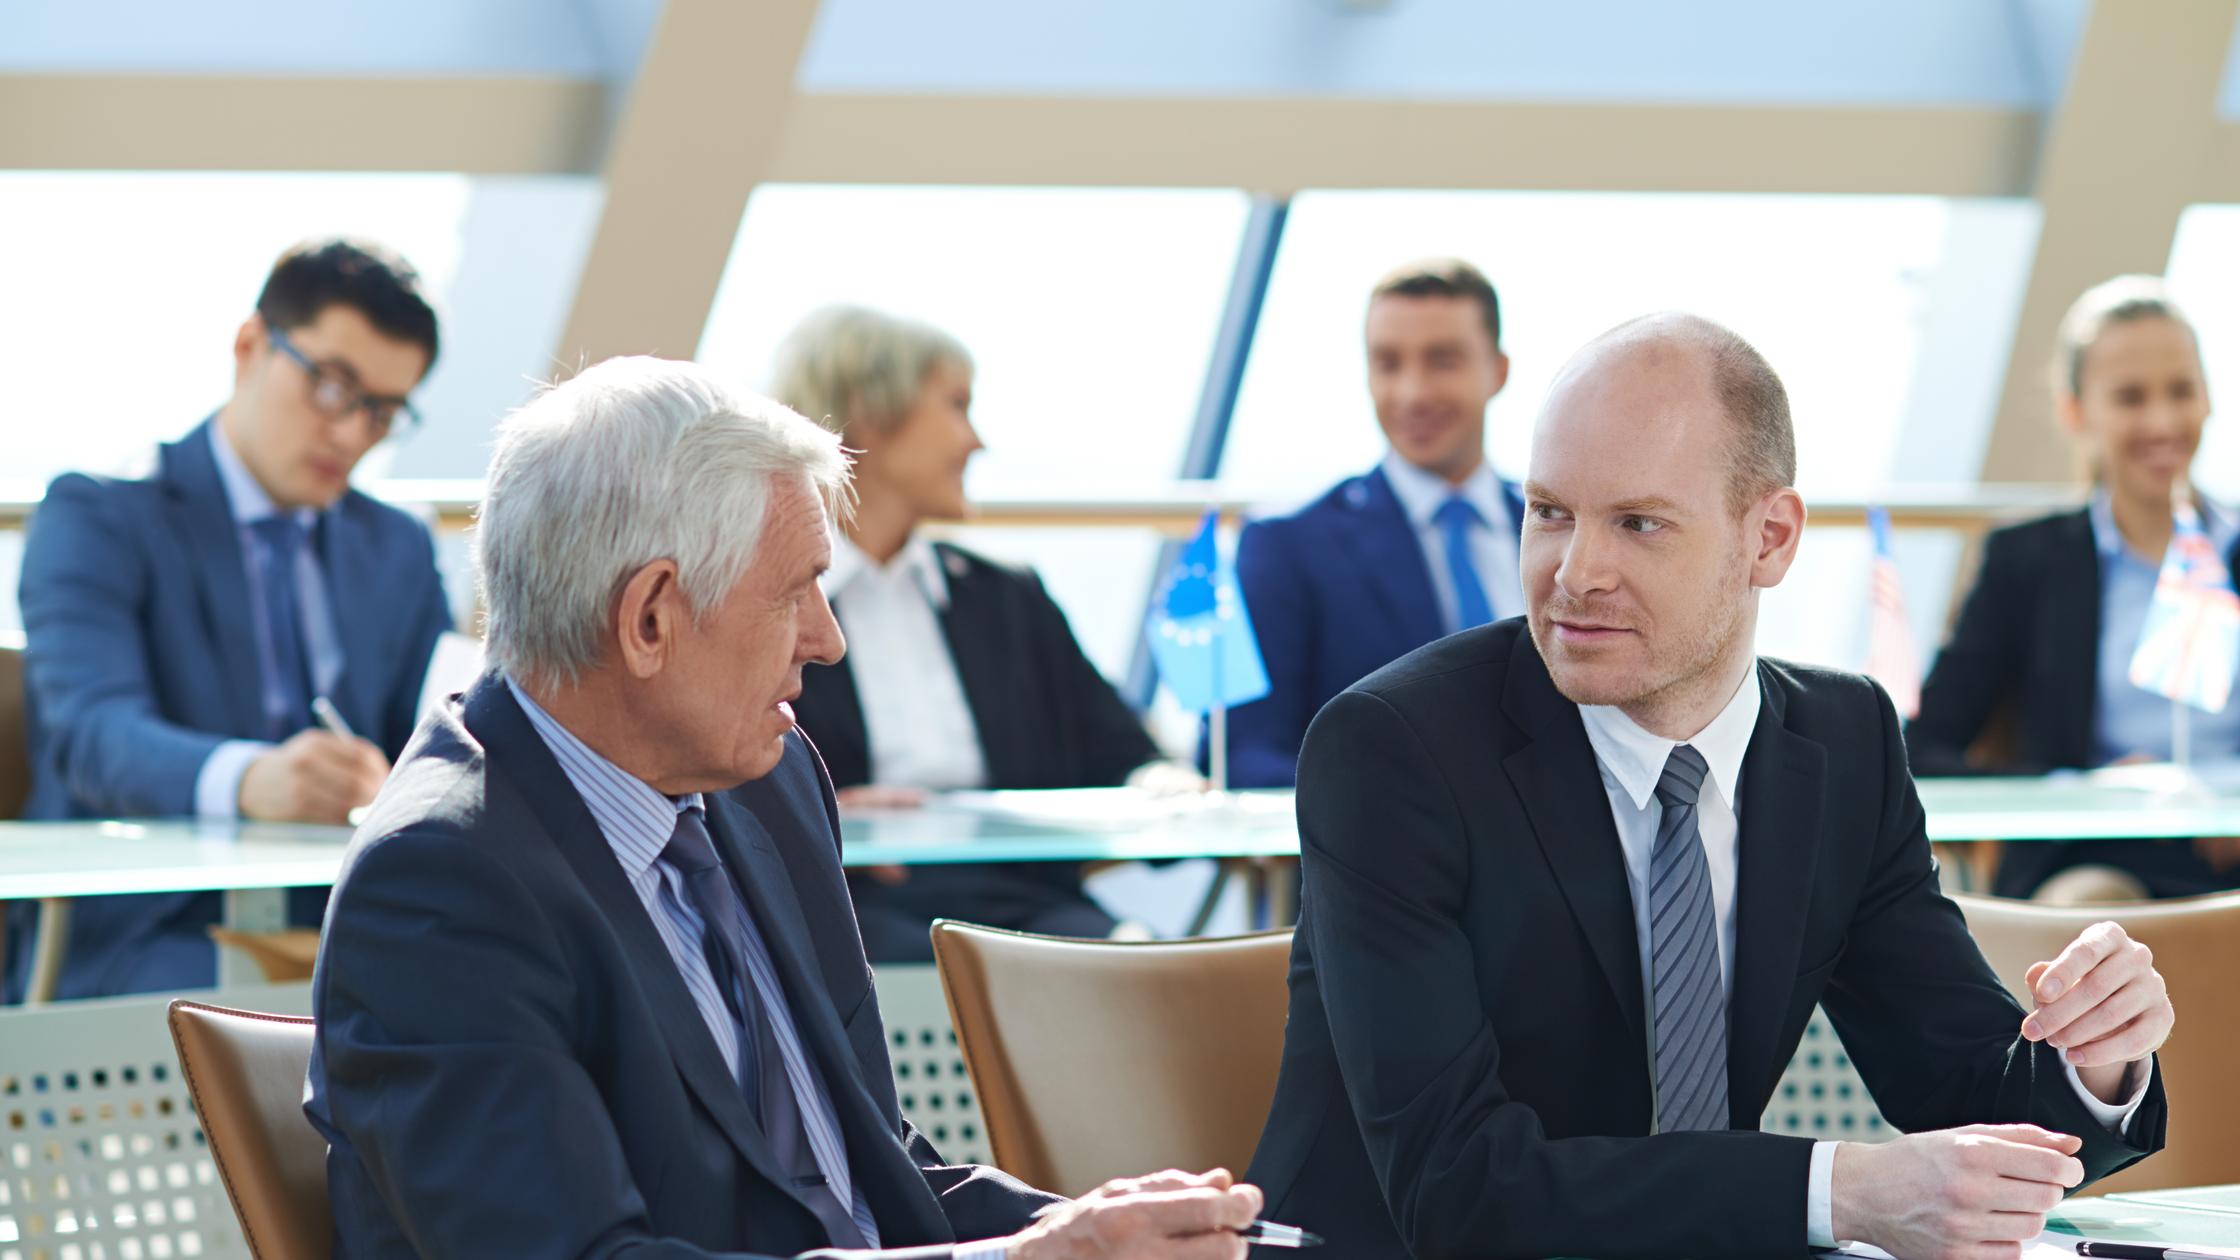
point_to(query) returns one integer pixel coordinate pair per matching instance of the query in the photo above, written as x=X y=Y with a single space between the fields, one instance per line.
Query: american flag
x=2191 y=638
x=1891 y=659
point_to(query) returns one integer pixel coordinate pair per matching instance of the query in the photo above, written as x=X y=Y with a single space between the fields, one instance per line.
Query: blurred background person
x=179 y=625
x=1421 y=546
x=2036 y=674
x=961 y=672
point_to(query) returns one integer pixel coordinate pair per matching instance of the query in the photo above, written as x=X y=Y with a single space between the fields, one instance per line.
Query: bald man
x=1574 y=883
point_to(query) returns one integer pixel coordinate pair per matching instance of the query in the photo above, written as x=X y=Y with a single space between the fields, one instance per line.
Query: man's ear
x=1780 y=528
x=247 y=340
x=649 y=614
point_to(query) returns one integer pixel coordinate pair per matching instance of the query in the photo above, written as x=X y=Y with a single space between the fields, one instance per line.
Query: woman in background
x=2040 y=656
x=960 y=672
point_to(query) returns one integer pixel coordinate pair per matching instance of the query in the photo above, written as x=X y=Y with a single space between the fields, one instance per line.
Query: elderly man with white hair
x=590 y=983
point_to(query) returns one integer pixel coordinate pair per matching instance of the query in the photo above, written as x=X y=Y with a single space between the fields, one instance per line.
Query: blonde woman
x=2047 y=635
x=960 y=672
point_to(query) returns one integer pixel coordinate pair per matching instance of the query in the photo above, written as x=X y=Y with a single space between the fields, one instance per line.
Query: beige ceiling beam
x=2131 y=144
x=1281 y=145
x=696 y=135
x=476 y=125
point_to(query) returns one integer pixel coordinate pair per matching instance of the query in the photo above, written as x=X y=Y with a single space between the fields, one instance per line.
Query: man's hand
x=2103 y=1005
x=874 y=798
x=314 y=777
x=1976 y=1193
x=1166 y=1216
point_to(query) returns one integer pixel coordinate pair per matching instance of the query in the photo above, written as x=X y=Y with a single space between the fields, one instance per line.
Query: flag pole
x=1217 y=720
x=2181 y=752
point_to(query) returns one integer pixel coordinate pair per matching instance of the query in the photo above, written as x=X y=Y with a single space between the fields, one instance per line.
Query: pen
x=331 y=717
x=1270 y=1234
x=2141 y=1251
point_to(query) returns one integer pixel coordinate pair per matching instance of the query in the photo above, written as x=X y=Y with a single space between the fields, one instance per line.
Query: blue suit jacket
x=143 y=658
x=508 y=1062
x=1337 y=590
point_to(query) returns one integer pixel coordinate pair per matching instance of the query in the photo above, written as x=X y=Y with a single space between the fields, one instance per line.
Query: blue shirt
x=637 y=823
x=2129 y=720
x=217 y=786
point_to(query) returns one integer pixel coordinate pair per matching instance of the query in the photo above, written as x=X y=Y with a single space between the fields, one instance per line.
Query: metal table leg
x=249 y=910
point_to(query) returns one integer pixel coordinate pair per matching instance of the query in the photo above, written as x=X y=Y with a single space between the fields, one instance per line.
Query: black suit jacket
x=1046 y=717
x=508 y=1062
x=1465 y=1071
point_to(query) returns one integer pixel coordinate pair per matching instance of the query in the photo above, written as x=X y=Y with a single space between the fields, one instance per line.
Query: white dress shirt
x=1632 y=761
x=1493 y=544
x=919 y=725
x=217 y=785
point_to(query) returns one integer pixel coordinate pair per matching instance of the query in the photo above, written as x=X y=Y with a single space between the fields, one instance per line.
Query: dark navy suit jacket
x=508 y=1062
x=1337 y=590
x=143 y=658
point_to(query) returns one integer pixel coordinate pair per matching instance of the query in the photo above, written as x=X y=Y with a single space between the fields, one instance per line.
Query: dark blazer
x=508 y=1061
x=1046 y=717
x=2026 y=648
x=1465 y=1072
x=142 y=658
x=1337 y=589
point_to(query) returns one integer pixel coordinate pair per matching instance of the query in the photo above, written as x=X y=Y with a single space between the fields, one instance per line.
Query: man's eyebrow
x=1647 y=504
x=1534 y=490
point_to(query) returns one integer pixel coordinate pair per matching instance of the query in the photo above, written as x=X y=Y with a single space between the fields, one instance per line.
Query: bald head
x=1681 y=348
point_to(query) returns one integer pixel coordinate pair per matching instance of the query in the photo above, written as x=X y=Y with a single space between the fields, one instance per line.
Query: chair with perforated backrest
x=245 y=1071
x=2194 y=940
x=1103 y=1059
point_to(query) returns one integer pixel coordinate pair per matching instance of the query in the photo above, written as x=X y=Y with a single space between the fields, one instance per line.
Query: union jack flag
x=1891 y=659
x=2191 y=639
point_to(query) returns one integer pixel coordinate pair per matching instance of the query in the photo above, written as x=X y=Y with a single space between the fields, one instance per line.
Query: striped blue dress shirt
x=637 y=822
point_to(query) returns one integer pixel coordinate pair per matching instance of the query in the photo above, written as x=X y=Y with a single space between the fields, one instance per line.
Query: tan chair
x=245 y=1073
x=1103 y=1059
x=287 y=955
x=15 y=736
x=2194 y=940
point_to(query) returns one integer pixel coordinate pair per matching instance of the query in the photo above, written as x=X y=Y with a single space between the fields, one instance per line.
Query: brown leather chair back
x=245 y=1072
x=2194 y=940
x=15 y=736
x=1103 y=1059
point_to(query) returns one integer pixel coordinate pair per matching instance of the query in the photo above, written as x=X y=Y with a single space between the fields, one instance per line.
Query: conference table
x=94 y=1121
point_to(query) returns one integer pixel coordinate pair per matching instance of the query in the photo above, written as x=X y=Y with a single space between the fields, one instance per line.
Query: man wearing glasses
x=180 y=627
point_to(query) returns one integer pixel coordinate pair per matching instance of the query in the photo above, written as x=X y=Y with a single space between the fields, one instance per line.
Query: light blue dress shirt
x=2129 y=720
x=1493 y=544
x=637 y=823
x=217 y=786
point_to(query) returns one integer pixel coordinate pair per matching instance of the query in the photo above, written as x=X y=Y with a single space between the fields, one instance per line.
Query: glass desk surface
x=70 y=859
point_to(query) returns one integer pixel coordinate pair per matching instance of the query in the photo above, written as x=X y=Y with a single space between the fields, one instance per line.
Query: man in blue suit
x=1421 y=546
x=180 y=624
x=591 y=985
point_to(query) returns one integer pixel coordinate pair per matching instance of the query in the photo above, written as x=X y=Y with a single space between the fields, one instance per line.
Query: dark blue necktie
x=762 y=1068
x=1686 y=987
x=1455 y=519
x=288 y=689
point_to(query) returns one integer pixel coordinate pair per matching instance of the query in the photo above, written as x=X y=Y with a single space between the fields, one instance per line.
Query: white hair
x=634 y=460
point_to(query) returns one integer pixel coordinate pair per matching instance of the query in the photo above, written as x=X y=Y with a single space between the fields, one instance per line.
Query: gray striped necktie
x=1685 y=987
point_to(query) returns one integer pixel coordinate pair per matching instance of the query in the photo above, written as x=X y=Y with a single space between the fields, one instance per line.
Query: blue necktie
x=1685 y=986
x=762 y=1069
x=288 y=685
x=1455 y=518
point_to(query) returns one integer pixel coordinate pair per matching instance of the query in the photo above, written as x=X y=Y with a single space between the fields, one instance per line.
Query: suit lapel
x=205 y=520
x=1556 y=778
x=2072 y=623
x=1783 y=784
x=354 y=605
x=748 y=846
x=971 y=625
x=516 y=749
x=1386 y=549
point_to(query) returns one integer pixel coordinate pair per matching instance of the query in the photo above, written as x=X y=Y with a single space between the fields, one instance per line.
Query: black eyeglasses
x=336 y=396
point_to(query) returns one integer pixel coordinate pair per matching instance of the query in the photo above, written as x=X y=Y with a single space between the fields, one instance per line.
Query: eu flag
x=1201 y=635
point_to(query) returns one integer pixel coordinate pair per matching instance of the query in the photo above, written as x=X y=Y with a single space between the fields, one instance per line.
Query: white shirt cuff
x=994 y=1249
x=1820 y=1197
x=217 y=786
x=2114 y=1117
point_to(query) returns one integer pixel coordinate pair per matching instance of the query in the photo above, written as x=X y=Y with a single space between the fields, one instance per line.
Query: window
x=2203 y=260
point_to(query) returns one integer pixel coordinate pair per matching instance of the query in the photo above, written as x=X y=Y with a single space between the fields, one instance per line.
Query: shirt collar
x=2222 y=529
x=917 y=559
x=636 y=820
x=1635 y=757
x=1420 y=493
x=244 y=497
